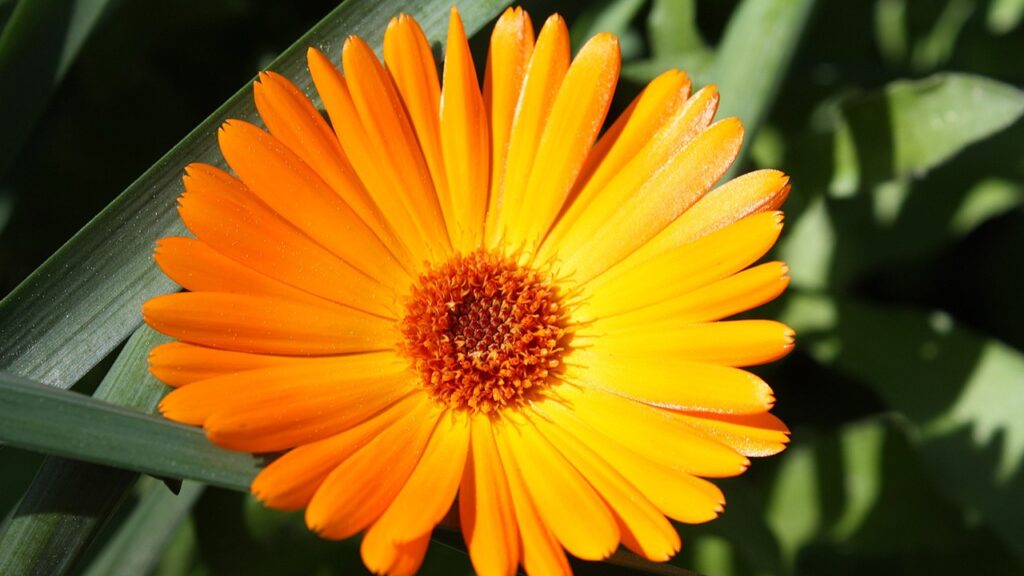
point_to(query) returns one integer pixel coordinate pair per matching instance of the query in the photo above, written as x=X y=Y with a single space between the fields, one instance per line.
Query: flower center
x=484 y=332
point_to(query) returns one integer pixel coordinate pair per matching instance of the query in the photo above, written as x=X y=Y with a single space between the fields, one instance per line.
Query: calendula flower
x=454 y=293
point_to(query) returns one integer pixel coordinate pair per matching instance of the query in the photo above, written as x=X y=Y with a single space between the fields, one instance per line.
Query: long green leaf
x=752 y=59
x=84 y=300
x=672 y=27
x=69 y=501
x=749 y=64
x=58 y=518
x=37 y=417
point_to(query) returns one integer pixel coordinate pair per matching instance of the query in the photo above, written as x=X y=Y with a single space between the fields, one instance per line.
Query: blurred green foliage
x=899 y=122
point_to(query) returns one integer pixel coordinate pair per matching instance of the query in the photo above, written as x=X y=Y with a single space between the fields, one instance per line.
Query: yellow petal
x=678 y=494
x=465 y=140
x=751 y=193
x=730 y=343
x=265 y=325
x=643 y=428
x=576 y=117
x=642 y=526
x=646 y=153
x=632 y=131
x=568 y=506
x=749 y=434
x=548 y=65
x=358 y=491
x=637 y=282
x=673 y=381
x=485 y=506
x=510 y=50
x=541 y=552
x=731 y=295
x=624 y=217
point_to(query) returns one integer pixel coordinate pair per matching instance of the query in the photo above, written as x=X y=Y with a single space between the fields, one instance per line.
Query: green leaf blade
x=37 y=417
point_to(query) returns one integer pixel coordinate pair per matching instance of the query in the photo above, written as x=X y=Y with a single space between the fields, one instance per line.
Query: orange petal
x=569 y=507
x=289 y=482
x=292 y=189
x=392 y=139
x=576 y=117
x=485 y=506
x=430 y=490
x=230 y=219
x=643 y=528
x=510 y=50
x=383 y=556
x=749 y=434
x=730 y=343
x=640 y=280
x=673 y=381
x=374 y=165
x=261 y=324
x=465 y=139
x=283 y=383
x=356 y=492
x=731 y=295
x=548 y=66
x=678 y=494
x=177 y=363
x=199 y=268
x=278 y=408
x=293 y=120
x=411 y=63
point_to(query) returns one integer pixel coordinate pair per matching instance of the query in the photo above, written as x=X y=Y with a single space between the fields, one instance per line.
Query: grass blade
x=59 y=516
x=46 y=419
x=69 y=501
x=751 y=62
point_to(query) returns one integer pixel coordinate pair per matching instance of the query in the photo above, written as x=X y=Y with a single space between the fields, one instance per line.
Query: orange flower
x=455 y=292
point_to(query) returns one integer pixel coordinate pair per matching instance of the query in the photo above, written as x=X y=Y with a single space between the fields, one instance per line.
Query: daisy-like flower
x=450 y=294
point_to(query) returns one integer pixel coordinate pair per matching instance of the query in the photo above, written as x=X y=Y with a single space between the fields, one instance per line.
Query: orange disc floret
x=485 y=332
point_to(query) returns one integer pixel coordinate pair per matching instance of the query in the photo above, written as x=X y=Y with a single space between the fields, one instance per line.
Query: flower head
x=450 y=291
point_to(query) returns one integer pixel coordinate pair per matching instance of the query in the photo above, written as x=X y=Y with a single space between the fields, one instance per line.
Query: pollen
x=484 y=332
